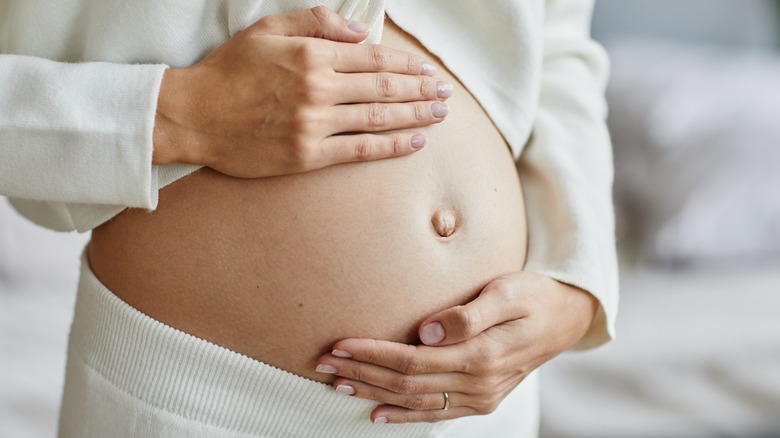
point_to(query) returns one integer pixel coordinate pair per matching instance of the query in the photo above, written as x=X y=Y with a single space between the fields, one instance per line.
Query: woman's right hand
x=294 y=93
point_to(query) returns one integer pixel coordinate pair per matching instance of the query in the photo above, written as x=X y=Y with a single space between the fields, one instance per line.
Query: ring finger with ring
x=441 y=401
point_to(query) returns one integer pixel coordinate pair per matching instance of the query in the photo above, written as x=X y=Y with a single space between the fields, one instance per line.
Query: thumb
x=317 y=22
x=493 y=306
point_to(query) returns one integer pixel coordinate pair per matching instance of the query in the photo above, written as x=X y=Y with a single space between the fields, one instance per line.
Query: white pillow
x=696 y=132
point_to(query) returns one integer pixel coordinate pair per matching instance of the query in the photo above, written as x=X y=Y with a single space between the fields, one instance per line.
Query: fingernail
x=427 y=69
x=432 y=333
x=443 y=90
x=358 y=26
x=439 y=110
x=342 y=353
x=345 y=389
x=418 y=142
x=327 y=369
x=380 y=420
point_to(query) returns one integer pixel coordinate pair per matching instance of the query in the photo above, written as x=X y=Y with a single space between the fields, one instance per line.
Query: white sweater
x=79 y=81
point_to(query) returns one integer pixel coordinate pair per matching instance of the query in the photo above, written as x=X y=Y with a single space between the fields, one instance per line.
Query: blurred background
x=694 y=95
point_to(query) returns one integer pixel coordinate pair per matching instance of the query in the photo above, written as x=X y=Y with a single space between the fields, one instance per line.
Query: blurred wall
x=744 y=22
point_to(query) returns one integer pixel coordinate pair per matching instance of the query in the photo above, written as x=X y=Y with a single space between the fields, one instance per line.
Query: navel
x=445 y=221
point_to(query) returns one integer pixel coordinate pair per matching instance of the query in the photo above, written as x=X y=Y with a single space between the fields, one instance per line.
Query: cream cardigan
x=79 y=81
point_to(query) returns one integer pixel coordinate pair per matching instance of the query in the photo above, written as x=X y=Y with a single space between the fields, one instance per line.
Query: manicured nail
x=443 y=90
x=418 y=142
x=342 y=353
x=358 y=26
x=345 y=389
x=439 y=110
x=427 y=69
x=327 y=369
x=380 y=420
x=432 y=333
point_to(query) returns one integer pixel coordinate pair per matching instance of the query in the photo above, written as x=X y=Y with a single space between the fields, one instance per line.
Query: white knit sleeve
x=566 y=168
x=78 y=133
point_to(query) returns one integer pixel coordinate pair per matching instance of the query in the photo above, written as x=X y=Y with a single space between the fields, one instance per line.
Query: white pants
x=129 y=375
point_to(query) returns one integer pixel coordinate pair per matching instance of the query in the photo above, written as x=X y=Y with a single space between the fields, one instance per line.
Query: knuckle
x=481 y=387
x=416 y=403
x=377 y=114
x=357 y=373
x=485 y=409
x=503 y=288
x=493 y=382
x=303 y=155
x=313 y=86
x=468 y=320
x=270 y=24
x=363 y=149
x=307 y=52
x=301 y=121
x=372 y=355
x=405 y=385
x=490 y=362
x=412 y=65
x=398 y=144
x=265 y=23
x=386 y=85
x=420 y=112
x=413 y=366
x=425 y=86
x=478 y=368
x=378 y=57
x=485 y=403
x=490 y=357
x=321 y=14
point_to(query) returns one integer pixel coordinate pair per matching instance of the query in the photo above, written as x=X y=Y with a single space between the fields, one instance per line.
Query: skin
x=294 y=93
x=477 y=352
x=272 y=100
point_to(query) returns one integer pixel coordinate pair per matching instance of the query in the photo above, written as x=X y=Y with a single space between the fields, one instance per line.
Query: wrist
x=172 y=141
x=579 y=307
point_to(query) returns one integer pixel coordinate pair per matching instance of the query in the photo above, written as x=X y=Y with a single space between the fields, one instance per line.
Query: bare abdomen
x=280 y=268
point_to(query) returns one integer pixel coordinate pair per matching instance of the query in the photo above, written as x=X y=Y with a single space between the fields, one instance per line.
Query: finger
x=378 y=58
x=496 y=304
x=406 y=359
x=397 y=415
x=368 y=147
x=390 y=379
x=426 y=401
x=390 y=87
x=376 y=117
x=317 y=22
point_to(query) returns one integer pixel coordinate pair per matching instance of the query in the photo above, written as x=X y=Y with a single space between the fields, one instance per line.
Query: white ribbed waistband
x=208 y=384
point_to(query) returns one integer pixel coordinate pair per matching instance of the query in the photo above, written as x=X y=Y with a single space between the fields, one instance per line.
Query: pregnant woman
x=280 y=289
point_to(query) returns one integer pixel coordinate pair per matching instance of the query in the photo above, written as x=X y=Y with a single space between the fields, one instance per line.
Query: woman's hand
x=477 y=352
x=294 y=93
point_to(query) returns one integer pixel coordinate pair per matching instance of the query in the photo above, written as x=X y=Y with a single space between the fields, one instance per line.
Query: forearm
x=567 y=167
x=172 y=142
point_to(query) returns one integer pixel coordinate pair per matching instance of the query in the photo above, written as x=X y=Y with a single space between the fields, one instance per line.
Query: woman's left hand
x=476 y=352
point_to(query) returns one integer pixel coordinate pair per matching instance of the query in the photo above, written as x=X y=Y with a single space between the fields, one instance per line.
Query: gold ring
x=446 y=401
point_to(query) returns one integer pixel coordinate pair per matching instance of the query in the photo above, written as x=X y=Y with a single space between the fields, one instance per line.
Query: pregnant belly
x=280 y=268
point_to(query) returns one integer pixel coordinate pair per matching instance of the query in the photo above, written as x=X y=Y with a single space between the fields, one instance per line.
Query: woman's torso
x=281 y=268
